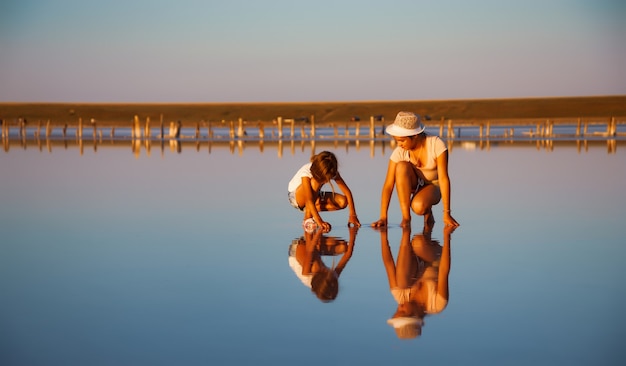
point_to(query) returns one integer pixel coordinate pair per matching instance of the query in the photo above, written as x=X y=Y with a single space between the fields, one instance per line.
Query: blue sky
x=289 y=51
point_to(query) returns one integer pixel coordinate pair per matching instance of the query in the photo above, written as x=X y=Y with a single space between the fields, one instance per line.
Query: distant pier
x=283 y=128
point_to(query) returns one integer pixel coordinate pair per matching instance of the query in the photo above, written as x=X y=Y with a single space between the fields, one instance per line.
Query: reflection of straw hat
x=406 y=124
x=406 y=327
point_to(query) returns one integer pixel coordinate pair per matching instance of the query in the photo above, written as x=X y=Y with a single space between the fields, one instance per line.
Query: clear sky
x=324 y=50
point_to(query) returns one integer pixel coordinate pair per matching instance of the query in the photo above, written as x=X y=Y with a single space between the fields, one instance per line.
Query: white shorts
x=293 y=201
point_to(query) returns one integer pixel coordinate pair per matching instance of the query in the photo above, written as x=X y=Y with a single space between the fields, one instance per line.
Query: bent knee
x=420 y=207
x=403 y=167
x=341 y=201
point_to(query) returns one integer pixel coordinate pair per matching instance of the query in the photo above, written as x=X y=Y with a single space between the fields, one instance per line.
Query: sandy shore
x=112 y=114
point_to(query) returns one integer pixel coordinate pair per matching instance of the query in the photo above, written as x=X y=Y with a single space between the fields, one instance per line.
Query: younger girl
x=305 y=192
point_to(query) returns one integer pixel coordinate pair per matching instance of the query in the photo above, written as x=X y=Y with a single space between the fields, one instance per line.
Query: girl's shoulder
x=399 y=154
x=436 y=143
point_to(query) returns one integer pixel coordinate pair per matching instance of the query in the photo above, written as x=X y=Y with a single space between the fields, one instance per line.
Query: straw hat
x=406 y=124
x=406 y=327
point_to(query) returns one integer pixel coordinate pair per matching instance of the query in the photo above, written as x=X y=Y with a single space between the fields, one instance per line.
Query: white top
x=297 y=267
x=434 y=147
x=304 y=171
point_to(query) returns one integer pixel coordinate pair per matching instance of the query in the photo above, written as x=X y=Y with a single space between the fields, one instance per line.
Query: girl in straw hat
x=418 y=168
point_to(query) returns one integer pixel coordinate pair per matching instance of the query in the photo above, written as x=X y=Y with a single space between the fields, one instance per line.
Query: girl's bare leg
x=329 y=201
x=424 y=200
x=406 y=182
x=301 y=201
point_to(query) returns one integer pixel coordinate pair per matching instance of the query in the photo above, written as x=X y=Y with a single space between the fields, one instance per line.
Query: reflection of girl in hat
x=418 y=168
x=418 y=280
x=305 y=259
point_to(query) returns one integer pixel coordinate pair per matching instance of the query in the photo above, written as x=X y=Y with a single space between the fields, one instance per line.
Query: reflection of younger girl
x=418 y=280
x=305 y=259
x=305 y=192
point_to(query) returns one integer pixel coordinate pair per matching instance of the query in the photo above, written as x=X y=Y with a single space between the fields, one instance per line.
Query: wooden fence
x=289 y=128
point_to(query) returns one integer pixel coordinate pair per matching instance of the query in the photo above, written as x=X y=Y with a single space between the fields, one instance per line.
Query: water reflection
x=306 y=260
x=418 y=278
x=376 y=147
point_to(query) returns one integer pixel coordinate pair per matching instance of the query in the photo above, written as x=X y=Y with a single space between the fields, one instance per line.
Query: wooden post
x=20 y=124
x=302 y=132
x=261 y=130
x=209 y=130
x=38 y=130
x=136 y=128
x=175 y=129
x=336 y=128
x=357 y=129
x=240 y=131
x=79 y=130
x=550 y=128
x=488 y=133
x=95 y=130
x=162 y=128
x=372 y=129
x=611 y=128
x=48 y=129
x=197 y=130
x=292 y=128
x=280 y=127
x=312 y=126
x=231 y=131
x=147 y=132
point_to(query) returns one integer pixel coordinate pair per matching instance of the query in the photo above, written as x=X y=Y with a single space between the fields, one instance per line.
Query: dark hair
x=325 y=285
x=324 y=166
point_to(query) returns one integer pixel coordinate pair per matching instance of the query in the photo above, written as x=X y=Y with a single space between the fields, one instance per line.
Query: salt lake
x=119 y=254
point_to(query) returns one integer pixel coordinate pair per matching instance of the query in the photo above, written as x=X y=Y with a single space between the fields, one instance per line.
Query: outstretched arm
x=390 y=181
x=444 y=185
x=348 y=254
x=353 y=219
x=444 y=264
x=390 y=265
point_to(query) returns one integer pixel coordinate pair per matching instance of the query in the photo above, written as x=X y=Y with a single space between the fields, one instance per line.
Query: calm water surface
x=110 y=256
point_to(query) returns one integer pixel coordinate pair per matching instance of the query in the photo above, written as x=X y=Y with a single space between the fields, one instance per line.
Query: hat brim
x=403 y=321
x=394 y=130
